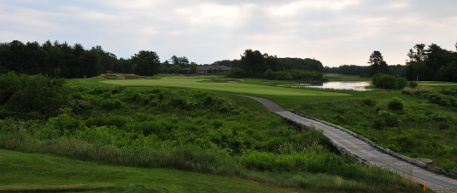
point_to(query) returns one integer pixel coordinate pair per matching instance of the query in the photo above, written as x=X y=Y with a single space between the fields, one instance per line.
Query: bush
x=369 y=102
x=111 y=104
x=412 y=84
x=236 y=73
x=36 y=95
x=391 y=120
x=445 y=125
x=269 y=74
x=396 y=104
x=401 y=82
x=388 y=81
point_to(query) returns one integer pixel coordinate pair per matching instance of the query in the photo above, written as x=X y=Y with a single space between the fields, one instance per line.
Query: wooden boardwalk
x=367 y=153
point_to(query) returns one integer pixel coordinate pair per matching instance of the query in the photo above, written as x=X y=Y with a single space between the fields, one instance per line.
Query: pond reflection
x=357 y=86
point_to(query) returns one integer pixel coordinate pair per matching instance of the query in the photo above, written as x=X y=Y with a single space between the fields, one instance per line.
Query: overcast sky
x=336 y=32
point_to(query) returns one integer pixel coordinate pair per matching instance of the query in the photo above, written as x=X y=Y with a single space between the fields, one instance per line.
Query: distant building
x=208 y=69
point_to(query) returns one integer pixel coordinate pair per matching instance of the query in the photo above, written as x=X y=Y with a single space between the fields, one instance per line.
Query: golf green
x=236 y=87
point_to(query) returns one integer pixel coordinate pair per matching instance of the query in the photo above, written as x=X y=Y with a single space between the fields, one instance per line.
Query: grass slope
x=31 y=172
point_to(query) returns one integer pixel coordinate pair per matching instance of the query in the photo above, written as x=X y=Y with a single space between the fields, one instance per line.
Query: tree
x=193 y=68
x=182 y=62
x=253 y=63
x=147 y=63
x=378 y=65
x=418 y=54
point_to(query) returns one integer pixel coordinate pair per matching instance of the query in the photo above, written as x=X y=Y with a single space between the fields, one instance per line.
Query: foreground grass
x=32 y=172
x=192 y=130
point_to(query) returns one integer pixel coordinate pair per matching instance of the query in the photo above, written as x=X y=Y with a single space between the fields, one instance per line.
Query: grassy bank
x=32 y=172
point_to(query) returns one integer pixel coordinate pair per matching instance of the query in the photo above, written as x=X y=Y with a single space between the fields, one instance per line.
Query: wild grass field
x=424 y=128
x=186 y=129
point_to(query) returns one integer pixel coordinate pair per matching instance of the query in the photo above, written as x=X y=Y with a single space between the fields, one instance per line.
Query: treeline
x=254 y=64
x=425 y=64
x=362 y=71
x=73 y=61
x=432 y=63
x=284 y=63
x=54 y=59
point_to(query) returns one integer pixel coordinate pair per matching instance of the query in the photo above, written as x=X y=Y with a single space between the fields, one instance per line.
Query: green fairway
x=30 y=172
x=202 y=83
x=341 y=77
x=437 y=84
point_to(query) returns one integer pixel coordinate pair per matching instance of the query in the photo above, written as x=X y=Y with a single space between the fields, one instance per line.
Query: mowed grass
x=342 y=77
x=438 y=84
x=31 y=172
x=234 y=87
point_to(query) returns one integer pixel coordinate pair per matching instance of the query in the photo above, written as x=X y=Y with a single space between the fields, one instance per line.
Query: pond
x=357 y=86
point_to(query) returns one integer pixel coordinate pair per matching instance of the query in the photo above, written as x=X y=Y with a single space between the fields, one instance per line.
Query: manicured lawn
x=235 y=87
x=437 y=84
x=341 y=77
x=31 y=172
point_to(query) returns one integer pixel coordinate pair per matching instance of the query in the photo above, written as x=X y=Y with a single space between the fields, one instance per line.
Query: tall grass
x=194 y=131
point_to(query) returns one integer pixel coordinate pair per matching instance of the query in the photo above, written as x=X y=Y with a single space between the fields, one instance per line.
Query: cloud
x=334 y=31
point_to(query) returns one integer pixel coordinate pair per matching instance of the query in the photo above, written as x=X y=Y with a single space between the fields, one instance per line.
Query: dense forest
x=432 y=63
x=255 y=64
x=267 y=61
x=55 y=59
x=73 y=61
x=426 y=64
x=362 y=71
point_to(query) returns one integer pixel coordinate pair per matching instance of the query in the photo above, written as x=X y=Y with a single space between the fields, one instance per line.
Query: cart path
x=367 y=153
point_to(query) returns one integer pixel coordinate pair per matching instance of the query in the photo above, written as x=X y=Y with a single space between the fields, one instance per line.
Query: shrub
x=38 y=95
x=117 y=121
x=388 y=81
x=9 y=84
x=369 y=102
x=396 y=104
x=402 y=82
x=111 y=104
x=236 y=73
x=269 y=74
x=412 y=84
x=379 y=124
x=451 y=92
x=390 y=120
x=437 y=118
x=444 y=125
x=98 y=90
x=384 y=81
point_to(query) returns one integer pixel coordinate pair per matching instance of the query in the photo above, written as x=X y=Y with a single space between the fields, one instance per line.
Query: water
x=357 y=86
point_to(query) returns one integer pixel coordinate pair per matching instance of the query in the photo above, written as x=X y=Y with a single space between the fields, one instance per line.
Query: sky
x=335 y=32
